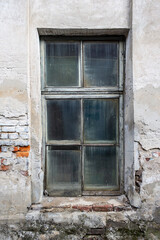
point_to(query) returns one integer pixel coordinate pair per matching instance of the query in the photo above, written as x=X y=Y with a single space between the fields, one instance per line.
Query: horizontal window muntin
x=81 y=96
x=51 y=90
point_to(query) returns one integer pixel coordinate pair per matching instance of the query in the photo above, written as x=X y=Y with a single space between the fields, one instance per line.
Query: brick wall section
x=14 y=144
x=14 y=136
x=86 y=208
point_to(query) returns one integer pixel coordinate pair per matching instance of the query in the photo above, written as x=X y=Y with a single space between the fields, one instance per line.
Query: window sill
x=83 y=204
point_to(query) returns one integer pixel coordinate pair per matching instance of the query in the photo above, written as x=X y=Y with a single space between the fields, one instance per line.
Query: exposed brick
x=25 y=149
x=22 y=154
x=4 y=135
x=13 y=135
x=24 y=136
x=22 y=129
x=97 y=208
x=7 y=142
x=119 y=208
x=8 y=129
x=22 y=143
x=4 y=149
x=21 y=149
x=102 y=208
x=82 y=208
x=24 y=173
x=4 y=167
x=16 y=149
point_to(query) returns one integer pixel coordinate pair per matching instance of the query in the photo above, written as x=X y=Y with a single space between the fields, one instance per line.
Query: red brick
x=103 y=208
x=119 y=208
x=24 y=173
x=21 y=149
x=24 y=149
x=22 y=154
x=16 y=149
x=83 y=208
x=4 y=167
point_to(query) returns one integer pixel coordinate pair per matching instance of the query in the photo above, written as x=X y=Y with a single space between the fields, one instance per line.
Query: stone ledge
x=83 y=204
x=65 y=225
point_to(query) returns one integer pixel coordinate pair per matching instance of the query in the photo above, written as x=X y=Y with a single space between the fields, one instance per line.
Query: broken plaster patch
x=12 y=108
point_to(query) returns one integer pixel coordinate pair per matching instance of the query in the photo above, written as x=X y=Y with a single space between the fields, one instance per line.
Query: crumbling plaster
x=15 y=188
x=146 y=88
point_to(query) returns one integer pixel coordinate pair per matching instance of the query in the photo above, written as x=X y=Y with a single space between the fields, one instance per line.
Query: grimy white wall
x=21 y=23
x=14 y=108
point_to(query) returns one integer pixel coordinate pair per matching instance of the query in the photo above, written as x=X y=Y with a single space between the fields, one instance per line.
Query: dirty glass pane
x=100 y=64
x=100 y=120
x=63 y=171
x=63 y=119
x=62 y=67
x=100 y=167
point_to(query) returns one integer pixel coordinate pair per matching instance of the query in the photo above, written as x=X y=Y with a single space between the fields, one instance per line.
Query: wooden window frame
x=85 y=93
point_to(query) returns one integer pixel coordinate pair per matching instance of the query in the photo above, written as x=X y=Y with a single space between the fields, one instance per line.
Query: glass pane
x=100 y=120
x=63 y=171
x=100 y=167
x=63 y=119
x=100 y=64
x=62 y=67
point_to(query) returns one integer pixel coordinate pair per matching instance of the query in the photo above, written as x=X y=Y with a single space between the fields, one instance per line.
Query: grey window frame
x=86 y=93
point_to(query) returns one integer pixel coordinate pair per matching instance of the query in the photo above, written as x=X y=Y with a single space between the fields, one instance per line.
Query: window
x=82 y=96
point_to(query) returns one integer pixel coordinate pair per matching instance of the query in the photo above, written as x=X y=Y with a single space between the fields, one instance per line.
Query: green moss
x=131 y=233
x=153 y=234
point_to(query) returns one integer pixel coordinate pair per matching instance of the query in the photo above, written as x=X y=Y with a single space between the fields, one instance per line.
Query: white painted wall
x=15 y=191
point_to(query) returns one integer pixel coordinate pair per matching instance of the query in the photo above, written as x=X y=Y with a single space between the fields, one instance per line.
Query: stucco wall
x=14 y=107
x=21 y=22
x=146 y=87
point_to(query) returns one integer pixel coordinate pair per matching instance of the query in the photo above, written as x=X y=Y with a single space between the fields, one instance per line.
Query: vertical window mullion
x=120 y=154
x=43 y=57
x=121 y=65
x=82 y=68
x=82 y=148
x=80 y=65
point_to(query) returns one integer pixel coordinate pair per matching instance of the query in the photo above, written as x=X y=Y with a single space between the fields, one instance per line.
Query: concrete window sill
x=83 y=204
